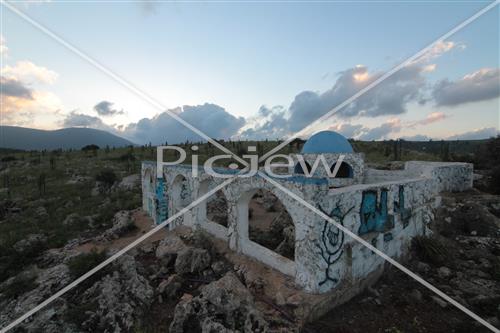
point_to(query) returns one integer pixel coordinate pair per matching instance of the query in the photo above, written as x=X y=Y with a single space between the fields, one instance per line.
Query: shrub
x=107 y=176
x=90 y=147
x=430 y=249
x=19 y=286
x=495 y=180
x=82 y=263
x=8 y=158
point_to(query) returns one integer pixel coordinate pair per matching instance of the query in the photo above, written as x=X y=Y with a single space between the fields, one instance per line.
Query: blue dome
x=327 y=142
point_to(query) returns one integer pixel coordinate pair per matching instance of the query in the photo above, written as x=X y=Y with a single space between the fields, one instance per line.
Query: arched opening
x=181 y=193
x=345 y=170
x=270 y=225
x=217 y=209
x=148 y=187
x=298 y=168
x=148 y=182
x=213 y=213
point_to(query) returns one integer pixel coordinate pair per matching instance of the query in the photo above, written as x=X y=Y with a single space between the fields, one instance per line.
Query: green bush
x=495 y=180
x=107 y=176
x=430 y=249
x=19 y=286
x=83 y=263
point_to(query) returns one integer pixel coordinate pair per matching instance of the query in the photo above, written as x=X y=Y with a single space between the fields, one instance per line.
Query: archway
x=149 y=192
x=217 y=209
x=298 y=168
x=270 y=225
x=181 y=193
x=345 y=170
x=213 y=213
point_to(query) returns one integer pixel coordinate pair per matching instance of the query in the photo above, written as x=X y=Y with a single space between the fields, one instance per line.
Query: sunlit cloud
x=28 y=72
x=3 y=46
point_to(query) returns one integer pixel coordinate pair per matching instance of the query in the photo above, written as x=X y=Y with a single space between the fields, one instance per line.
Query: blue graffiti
x=399 y=207
x=161 y=201
x=374 y=215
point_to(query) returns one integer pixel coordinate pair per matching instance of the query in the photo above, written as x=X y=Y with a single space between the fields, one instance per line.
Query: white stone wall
x=387 y=212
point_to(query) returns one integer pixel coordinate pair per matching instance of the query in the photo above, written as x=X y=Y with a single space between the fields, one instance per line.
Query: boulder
x=171 y=287
x=224 y=305
x=122 y=223
x=119 y=299
x=192 y=260
x=31 y=242
x=130 y=182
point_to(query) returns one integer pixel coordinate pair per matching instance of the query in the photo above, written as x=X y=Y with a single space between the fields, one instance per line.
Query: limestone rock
x=119 y=298
x=170 y=245
x=192 y=260
x=171 y=287
x=122 y=223
x=130 y=182
x=30 y=242
x=444 y=272
x=224 y=305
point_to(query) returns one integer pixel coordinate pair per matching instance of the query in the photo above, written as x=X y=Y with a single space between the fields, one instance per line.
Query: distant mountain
x=34 y=139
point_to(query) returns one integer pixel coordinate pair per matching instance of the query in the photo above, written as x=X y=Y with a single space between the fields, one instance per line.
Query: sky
x=252 y=70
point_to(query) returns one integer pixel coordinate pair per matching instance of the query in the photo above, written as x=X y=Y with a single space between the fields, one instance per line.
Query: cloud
x=105 y=108
x=28 y=72
x=432 y=117
x=417 y=137
x=381 y=132
x=390 y=97
x=211 y=119
x=269 y=123
x=22 y=103
x=439 y=49
x=3 y=46
x=478 y=134
x=348 y=130
x=14 y=88
x=477 y=86
x=75 y=119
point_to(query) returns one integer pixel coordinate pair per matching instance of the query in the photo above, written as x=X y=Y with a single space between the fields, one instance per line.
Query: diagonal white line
x=381 y=254
x=119 y=79
x=114 y=257
x=382 y=78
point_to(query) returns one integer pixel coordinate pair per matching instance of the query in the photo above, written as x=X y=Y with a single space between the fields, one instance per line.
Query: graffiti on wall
x=331 y=242
x=161 y=201
x=374 y=213
x=399 y=207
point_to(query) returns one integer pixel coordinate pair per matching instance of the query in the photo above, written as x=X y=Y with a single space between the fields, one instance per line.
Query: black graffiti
x=331 y=244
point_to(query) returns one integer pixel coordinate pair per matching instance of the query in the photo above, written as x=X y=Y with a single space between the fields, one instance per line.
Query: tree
x=107 y=177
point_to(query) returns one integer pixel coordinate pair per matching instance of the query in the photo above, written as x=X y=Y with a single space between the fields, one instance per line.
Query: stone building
x=385 y=207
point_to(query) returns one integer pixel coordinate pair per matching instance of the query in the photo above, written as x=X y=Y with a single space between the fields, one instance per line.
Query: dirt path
x=141 y=220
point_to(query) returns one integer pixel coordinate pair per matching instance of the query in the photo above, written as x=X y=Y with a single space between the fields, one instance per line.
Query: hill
x=34 y=139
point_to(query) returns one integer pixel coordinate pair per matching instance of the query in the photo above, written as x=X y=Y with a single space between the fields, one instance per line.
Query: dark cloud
x=211 y=119
x=478 y=86
x=15 y=88
x=483 y=133
x=75 y=119
x=390 y=97
x=380 y=132
x=270 y=123
x=105 y=108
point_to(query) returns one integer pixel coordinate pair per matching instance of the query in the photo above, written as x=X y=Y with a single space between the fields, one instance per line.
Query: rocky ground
x=462 y=260
x=188 y=282
x=185 y=283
